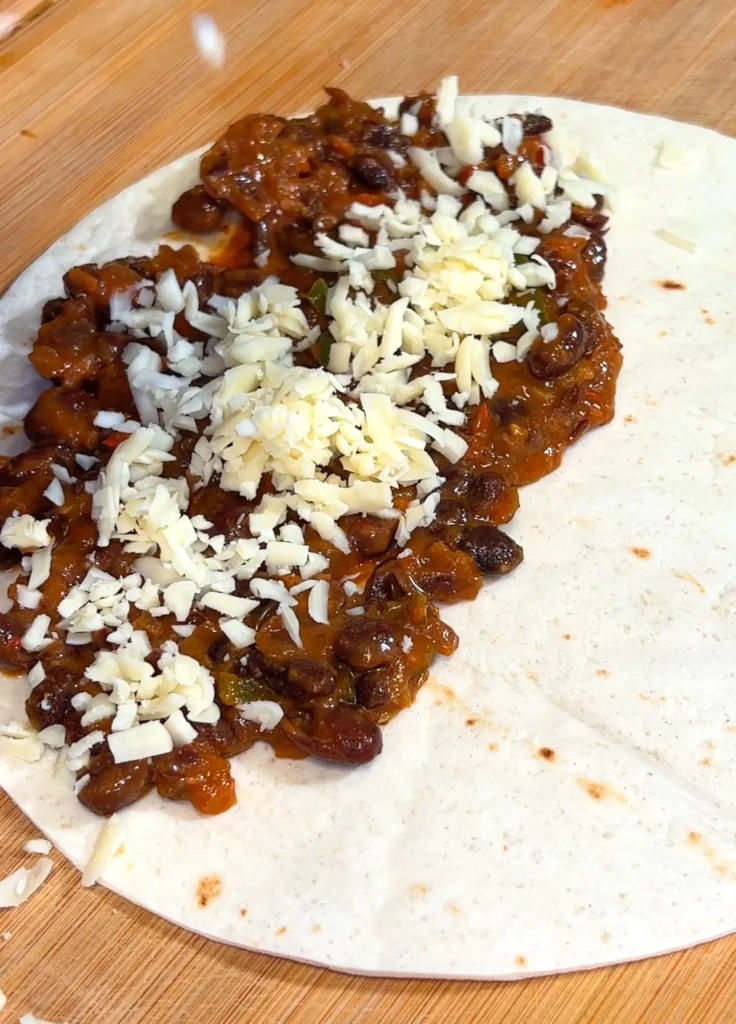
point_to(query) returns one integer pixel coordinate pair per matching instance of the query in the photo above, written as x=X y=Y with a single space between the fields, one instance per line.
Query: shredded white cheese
x=266 y=713
x=107 y=843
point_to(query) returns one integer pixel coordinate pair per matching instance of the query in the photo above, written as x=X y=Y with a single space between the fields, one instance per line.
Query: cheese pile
x=335 y=440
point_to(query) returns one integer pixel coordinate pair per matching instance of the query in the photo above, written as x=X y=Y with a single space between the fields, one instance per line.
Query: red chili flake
x=115 y=439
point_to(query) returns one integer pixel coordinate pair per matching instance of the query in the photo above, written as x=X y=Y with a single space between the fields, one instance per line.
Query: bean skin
x=344 y=735
x=493 y=551
x=197 y=211
x=373 y=689
x=366 y=644
x=309 y=678
x=450 y=513
x=549 y=360
x=486 y=488
x=115 y=786
x=595 y=252
x=371 y=171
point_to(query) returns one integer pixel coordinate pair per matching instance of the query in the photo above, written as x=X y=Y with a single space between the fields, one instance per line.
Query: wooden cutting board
x=96 y=93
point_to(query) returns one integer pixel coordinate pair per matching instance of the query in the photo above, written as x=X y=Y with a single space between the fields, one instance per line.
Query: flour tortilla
x=461 y=852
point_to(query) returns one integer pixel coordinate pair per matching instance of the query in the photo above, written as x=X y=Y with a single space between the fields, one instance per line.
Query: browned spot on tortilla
x=629 y=419
x=600 y=790
x=546 y=753
x=642 y=553
x=243 y=911
x=706 y=762
x=11 y=429
x=209 y=887
x=520 y=960
x=696 y=839
x=662 y=334
x=418 y=890
x=281 y=930
x=707 y=317
x=583 y=523
x=532 y=676
x=566 y=636
x=505 y=848
x=316 y=928
x=605 y=936
x=471 y=722
x=689 y=578
x=671 y=286
x=493 y=747
x=726 y=460
x=453 y=908
x=651 y=402
x=443 y=694
x=27 y=133
x=603 y=672
x=653 y=698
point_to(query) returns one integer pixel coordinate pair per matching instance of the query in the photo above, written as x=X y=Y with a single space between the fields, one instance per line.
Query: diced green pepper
x=234 y=690
x=535 y=295
x=317 y=295
x=325 y=343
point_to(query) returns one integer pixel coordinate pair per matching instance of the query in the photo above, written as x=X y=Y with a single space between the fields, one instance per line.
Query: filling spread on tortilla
x=264 y=461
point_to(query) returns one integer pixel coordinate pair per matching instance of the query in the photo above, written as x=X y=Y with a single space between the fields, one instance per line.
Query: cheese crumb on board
x=21 y=884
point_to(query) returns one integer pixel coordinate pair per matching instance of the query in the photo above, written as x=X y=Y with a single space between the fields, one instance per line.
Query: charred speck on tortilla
x=256 y=476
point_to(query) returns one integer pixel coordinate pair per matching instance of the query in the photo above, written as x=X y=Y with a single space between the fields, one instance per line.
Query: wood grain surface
x=96 y=93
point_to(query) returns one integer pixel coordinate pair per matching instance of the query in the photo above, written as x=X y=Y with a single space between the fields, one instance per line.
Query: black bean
x=115 y=786
x=536 y=124
x=486 y=488
x=254 y=666
x=441 y=586
x=218 y=737
x=218 y=650
x=594 y=220
x=451 y=513
x=383 y=586
x=373 y=689
x=49 y=702
x=204 y=282
x=493 y=551
x=506 y=410
x=594 y=254
x=365 y=644
x=342 y=734
x=310 y=678
x=548 y=360
x=592 y=321
x=51 y=310
x=371 y=535
x=197 y=211
x=385 y=136
x=12 y=655
x=373 y=172
x=35 y=460
x=457 y=482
